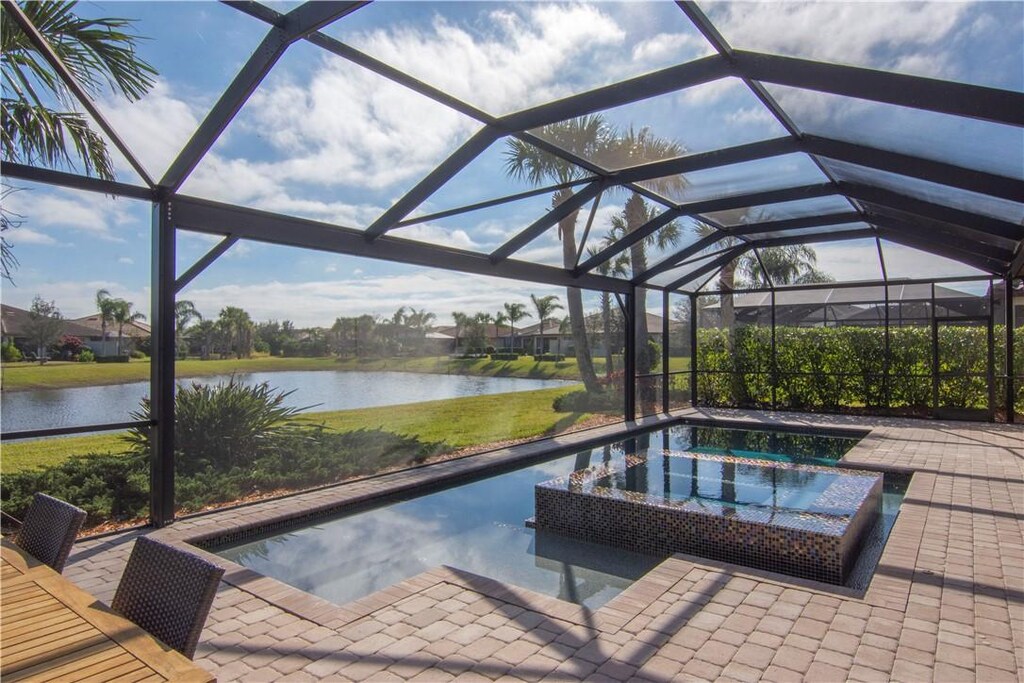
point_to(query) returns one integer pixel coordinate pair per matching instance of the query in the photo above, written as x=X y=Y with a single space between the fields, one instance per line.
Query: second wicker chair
x=168 y=592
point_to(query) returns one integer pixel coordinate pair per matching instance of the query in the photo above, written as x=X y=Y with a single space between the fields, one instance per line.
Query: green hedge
x=116 y=487
x=840 y=368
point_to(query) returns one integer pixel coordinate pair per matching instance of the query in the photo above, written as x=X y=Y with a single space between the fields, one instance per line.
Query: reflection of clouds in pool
x=478 y=527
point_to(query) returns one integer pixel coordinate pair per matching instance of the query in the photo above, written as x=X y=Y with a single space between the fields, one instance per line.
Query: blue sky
x=327 y=140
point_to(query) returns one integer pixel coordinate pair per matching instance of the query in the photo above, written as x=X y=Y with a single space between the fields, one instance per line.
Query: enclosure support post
x=935 y=356
x=1010 y=370
x=629 y=362
x=990 y=357
x=693 y=350
x=774 y=367
x=161 y=482
x=886 y=358
x=664 y=351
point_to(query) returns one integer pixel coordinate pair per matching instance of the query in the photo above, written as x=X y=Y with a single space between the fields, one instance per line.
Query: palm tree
x=786 y=265
x=500 y=318
x=615 y=266
x=545 y=306
x=632 y=148
x=106 y=305
x=589 y=137
x=100 y=53
x=237 y=327
x=123 y=315
x=515 y=312
x=205 y=331
x=184 y=313
x=462 y=321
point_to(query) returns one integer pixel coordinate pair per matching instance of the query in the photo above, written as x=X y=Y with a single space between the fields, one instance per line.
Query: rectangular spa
x=800 y=520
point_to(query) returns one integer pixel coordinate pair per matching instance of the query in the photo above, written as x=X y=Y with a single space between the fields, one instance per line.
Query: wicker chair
x=168 y=592
x=49 y=530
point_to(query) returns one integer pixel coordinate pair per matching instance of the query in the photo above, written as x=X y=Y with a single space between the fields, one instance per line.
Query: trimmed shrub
x=549 y=358
x=504 y=356
x=583 y=401
x=10 y=353
x=86 y=356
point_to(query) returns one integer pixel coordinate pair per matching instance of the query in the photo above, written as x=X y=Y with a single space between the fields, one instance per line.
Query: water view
x=326 y=390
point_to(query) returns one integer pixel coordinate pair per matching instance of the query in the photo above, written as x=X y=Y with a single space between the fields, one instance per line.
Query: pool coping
x=263 y=517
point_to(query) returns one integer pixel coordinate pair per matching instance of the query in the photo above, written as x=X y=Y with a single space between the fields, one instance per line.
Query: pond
x=319 y=390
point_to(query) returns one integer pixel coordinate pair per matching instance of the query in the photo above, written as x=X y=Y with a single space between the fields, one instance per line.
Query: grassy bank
x=457 y=422
x=56 y=375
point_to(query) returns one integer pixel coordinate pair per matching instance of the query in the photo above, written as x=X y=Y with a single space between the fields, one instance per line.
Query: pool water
x=479 y=527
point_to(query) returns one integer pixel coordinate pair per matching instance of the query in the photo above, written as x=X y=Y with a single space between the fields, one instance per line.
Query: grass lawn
x=457 y=422
x=57 y=375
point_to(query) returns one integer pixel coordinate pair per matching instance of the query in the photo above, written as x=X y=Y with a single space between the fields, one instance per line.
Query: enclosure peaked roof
x=854 y=153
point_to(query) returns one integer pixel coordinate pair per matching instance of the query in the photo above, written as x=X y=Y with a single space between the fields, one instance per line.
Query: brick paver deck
x=946 y=603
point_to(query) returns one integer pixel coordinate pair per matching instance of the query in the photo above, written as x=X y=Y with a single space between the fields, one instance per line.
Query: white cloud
x=154 y=128
x=96 y=215
x=126 y=260
x=881 y=35
x=28 y=236
x=76 y=298
x=331 y=268
x=677 y=46
x=711 y=92
x=523 y=59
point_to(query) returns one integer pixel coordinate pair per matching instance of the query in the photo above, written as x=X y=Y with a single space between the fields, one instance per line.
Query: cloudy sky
x=325 y=139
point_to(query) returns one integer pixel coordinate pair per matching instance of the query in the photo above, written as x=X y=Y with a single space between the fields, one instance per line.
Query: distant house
x=89 y=329
x=14 y=328
x=552 y=340
x=131 y=334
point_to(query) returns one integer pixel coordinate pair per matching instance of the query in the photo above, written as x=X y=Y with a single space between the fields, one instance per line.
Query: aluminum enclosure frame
x=934 y=228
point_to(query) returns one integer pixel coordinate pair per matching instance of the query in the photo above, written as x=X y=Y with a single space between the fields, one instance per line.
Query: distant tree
x=500 y=320
x=106 y=305
x=515 y=312
x=44 y=326
x=786 y=265
x=237 y=326
x=123 y=315
x=476 y=331
x=462 y=322
x=184 y=313
x=615 y=266
x=545 y=306
x=205 y=333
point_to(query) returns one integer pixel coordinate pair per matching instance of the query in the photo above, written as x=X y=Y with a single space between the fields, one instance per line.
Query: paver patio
x=946 y=602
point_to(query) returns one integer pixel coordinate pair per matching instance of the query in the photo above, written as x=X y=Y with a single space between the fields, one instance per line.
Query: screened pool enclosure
x=909 y=187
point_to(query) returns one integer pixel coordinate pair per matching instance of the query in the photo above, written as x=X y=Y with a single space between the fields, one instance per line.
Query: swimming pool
x=479 y=526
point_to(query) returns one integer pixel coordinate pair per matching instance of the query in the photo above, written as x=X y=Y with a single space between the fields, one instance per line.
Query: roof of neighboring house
x=551 y=327
x=491 y=331
x=95 y=327
x=13 y=322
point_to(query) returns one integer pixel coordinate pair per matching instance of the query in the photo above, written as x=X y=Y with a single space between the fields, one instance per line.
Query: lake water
x=323 y=389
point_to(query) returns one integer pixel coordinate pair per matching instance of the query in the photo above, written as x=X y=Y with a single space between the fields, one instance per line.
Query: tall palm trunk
x=727 y=283
x=606 y=315
x=574 y=297
x=636 y=215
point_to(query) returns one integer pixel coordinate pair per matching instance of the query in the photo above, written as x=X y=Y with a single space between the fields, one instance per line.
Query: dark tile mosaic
x=811 y=527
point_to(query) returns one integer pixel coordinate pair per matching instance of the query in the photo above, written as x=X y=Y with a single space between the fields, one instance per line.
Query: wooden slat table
x=52 y=630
